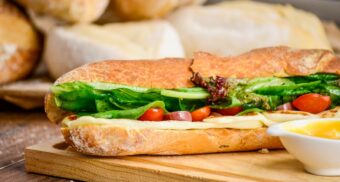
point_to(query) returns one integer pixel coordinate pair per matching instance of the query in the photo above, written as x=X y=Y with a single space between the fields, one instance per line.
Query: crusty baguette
x=19 y=44
x=117 y=141
x=174 y=73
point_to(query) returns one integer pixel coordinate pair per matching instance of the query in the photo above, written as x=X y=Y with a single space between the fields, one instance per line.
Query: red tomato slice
x=200 y=114
x=153 y=114
x=72 y=117
x=313 y=103
x=230 y=111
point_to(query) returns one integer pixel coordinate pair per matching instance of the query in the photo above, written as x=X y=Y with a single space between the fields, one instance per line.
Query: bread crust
x=19 y=44
x=163 y=73
x=264 y=62
x=116 y=141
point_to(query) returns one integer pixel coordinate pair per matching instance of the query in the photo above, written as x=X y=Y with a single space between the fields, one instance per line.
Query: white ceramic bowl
x=319 y=156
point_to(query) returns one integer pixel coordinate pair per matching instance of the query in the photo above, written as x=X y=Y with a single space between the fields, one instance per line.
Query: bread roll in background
x=74 y=11
x=147 y=9
x=19 y=44
x=45 y=23
x=233 y=27
x=70 y=47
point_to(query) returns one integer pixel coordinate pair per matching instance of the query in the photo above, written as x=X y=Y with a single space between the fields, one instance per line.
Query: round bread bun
x=19 y=44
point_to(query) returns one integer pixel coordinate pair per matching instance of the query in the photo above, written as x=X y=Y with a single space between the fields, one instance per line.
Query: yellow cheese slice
x=171 y=125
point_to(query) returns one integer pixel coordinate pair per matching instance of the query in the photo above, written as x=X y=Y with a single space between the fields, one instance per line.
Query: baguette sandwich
x=206 y=104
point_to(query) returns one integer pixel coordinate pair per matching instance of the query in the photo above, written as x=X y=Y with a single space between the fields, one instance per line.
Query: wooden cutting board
x=57 y=159
x=27 y=94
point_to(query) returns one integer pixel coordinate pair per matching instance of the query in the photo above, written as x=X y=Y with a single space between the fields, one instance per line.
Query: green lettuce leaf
x=325 y=77
x=134 y=113
x=291 y=89
x=101 y=97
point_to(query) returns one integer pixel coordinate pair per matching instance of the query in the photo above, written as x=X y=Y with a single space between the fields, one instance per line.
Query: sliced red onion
x=285 y=107
x=178 y=116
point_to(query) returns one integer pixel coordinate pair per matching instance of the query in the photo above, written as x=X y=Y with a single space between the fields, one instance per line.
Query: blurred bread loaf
x=19 y=44
x=233 y=27
x=74 y=11
x=147 y=9
x=70 y=47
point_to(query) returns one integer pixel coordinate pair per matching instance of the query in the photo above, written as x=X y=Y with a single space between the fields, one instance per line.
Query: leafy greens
x=267 y=93
x=107 y=100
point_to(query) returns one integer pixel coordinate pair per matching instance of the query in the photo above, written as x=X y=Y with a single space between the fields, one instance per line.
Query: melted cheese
x=175 y=125
x=235 y=122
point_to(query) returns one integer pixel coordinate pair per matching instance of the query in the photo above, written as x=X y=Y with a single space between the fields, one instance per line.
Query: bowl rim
x=278 y=130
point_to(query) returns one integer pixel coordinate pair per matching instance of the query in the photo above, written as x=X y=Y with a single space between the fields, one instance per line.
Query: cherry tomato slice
x=313 y=103
x=230 y=111
x=153 y=114
x=72 y=117
x=201 y=113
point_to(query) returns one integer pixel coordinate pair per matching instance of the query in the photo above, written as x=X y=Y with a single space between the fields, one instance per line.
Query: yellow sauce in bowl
x=323 y=129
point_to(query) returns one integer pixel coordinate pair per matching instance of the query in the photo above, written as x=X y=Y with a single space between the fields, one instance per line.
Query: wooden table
x=19 y=129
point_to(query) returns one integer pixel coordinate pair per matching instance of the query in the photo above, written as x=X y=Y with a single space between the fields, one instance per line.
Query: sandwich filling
x=210 y=100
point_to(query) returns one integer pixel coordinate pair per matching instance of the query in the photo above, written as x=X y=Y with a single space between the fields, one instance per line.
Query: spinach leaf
x=334 y=93
x=103 y=105
x=74 y=96
x=134 y=113
x=295 y=89
x=257 y=83
x=315 y=77
x=229 y=102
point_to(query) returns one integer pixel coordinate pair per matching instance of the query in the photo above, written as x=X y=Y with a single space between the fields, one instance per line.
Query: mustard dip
x=323 y=129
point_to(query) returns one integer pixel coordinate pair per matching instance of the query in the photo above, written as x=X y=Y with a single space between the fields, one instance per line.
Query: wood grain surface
x=19 y=129
x=56 y=158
